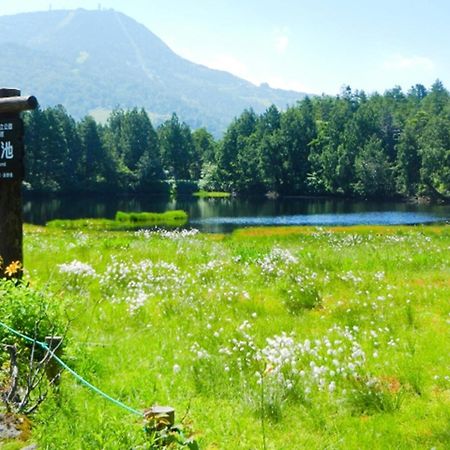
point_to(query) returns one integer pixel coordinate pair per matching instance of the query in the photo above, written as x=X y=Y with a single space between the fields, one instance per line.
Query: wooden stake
x=160 y=416
x=11 y=235
x=52 y=368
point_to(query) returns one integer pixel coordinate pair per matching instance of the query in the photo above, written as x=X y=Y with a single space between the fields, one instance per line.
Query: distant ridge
x=98 y=60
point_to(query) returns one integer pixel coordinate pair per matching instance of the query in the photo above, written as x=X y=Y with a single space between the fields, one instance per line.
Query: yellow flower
x=13 y=268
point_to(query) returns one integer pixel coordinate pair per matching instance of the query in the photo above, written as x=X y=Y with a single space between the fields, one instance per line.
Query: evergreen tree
x=177 y=150
x=98 y=166
x=297 y=132
x=373 y=173
x=434 y=149
x=351 y=144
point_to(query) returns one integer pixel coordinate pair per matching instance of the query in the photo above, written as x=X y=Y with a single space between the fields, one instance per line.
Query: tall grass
x=327 y=338
x=124 y=221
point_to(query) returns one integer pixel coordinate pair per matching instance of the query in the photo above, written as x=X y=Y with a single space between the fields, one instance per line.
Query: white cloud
x=281 y=39
x=218 y=61
x=281 y=43
x=234 y=65
x=229 y=63
x=401 y=62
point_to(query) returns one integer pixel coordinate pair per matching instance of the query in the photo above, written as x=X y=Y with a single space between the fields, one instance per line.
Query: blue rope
x=78 y=377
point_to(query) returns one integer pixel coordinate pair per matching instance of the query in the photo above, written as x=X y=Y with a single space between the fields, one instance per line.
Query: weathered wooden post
x=160 y=417
x=11 y=176
x=52 y=369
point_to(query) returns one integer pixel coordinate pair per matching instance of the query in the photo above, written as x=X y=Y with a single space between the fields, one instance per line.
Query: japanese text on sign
x=11 y=166
x=7 y=150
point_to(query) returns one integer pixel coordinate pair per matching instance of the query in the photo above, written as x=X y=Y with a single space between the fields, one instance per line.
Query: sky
x=313 y=46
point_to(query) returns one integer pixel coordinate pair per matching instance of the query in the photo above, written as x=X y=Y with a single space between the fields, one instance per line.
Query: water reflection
x=223 y=215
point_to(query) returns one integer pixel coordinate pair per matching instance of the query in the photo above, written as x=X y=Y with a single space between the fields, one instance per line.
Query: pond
x=224 y=215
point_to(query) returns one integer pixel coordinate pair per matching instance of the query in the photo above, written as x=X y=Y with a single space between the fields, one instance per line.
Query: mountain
x=94 y=61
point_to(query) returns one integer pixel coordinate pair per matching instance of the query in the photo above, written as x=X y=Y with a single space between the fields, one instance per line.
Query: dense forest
x=390 y=145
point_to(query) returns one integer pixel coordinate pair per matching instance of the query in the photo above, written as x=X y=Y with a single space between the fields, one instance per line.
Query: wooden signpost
x=11 y=176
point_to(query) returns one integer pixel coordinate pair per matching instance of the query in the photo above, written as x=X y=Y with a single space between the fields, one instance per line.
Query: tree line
x=353 y=144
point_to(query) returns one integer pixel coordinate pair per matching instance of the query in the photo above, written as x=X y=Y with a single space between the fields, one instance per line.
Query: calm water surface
x=224 y=215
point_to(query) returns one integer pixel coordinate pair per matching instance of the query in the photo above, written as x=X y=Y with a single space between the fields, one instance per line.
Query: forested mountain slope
x=100 y=60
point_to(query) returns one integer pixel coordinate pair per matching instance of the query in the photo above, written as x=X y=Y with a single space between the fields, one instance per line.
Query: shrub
x=23 y=384
x=27 y=311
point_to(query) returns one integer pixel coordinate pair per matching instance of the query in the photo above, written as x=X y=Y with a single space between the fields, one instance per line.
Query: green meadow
x=124 y=221
x=267 y=338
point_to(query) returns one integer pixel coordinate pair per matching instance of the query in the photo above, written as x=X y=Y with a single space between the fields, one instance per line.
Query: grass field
x=276 y=338
x=124 y=221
